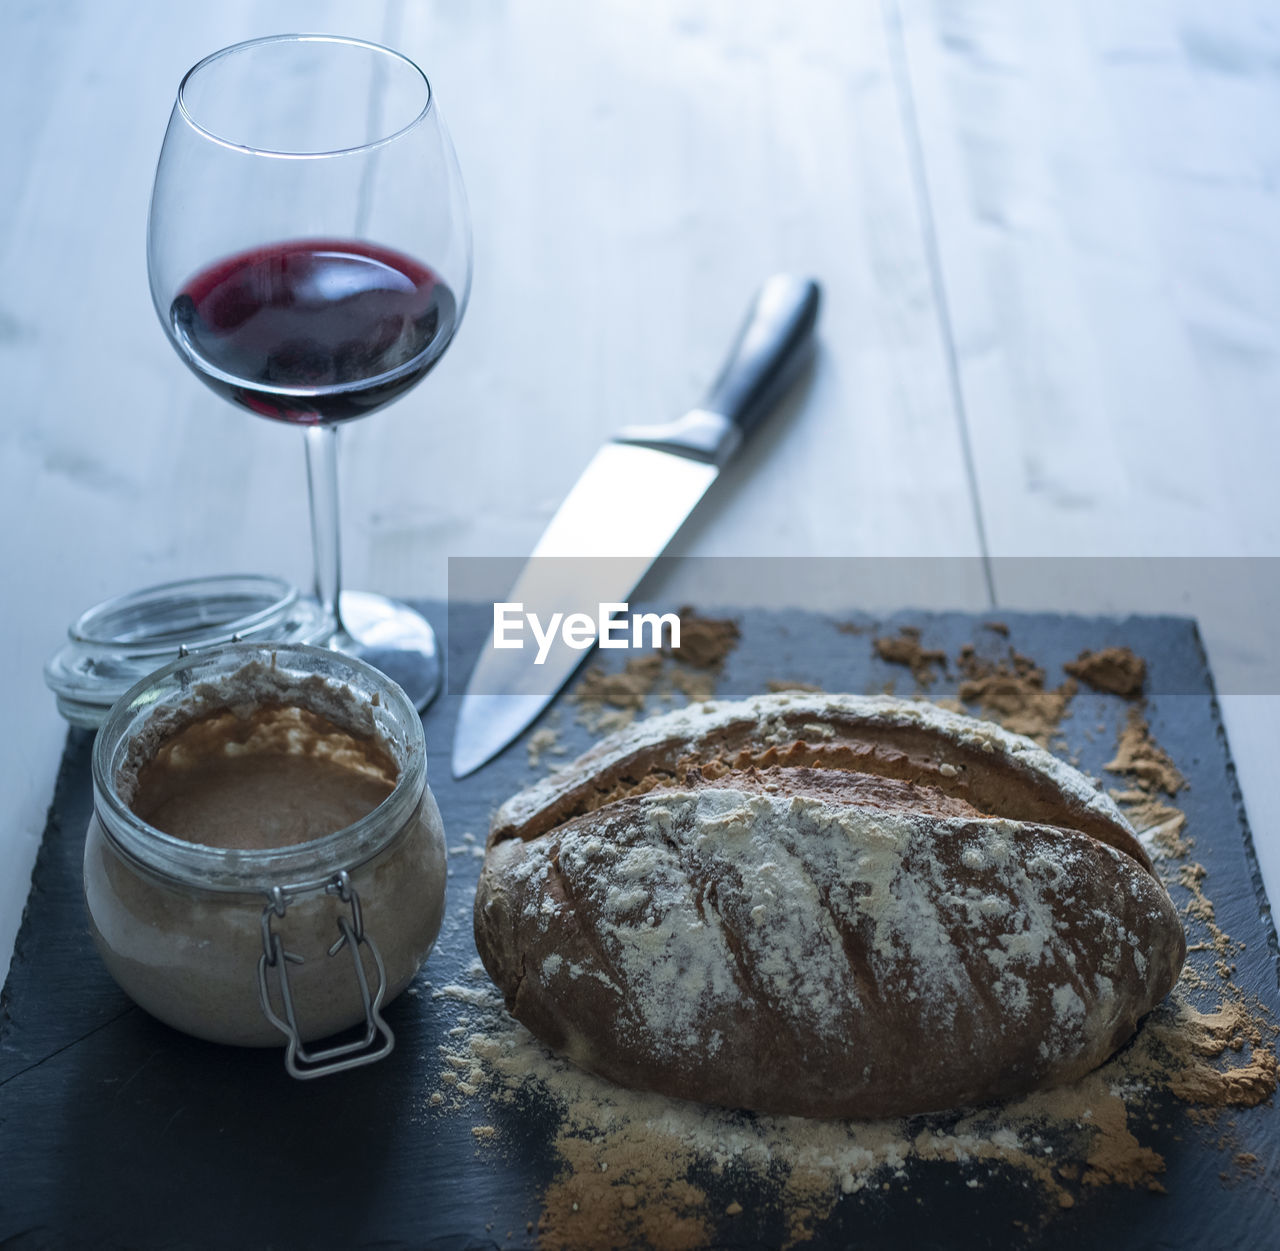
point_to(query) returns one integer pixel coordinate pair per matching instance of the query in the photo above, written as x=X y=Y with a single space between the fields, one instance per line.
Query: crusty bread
x=824 y=906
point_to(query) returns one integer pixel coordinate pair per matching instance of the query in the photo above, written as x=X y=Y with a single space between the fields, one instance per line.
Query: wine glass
x=309 y=253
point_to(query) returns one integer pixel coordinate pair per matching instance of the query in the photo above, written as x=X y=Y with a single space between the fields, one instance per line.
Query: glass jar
x=267 y=945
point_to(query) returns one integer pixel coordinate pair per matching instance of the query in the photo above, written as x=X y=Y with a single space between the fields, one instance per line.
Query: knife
x=626 y=507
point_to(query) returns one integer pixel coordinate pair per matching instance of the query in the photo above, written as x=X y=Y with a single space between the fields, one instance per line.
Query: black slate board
x=118 y=1132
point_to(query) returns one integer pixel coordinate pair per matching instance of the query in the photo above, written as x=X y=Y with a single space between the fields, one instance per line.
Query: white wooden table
x=1049 y=237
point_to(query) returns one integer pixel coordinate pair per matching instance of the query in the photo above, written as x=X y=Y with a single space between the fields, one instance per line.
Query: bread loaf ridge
x=824 y=906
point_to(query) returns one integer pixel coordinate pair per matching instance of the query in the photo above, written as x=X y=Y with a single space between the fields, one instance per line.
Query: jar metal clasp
x=377 y=1039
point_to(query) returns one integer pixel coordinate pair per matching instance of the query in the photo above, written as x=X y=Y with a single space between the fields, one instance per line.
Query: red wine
x=314 y=330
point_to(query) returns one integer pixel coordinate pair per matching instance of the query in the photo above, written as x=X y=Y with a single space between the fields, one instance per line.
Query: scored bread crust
x=876 y=733
x=824 y=905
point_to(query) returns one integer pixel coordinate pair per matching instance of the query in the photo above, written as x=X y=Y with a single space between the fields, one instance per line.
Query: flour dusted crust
x=960 y=754
x=824 y=906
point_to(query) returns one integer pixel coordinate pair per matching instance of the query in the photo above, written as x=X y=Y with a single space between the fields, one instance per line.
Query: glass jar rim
x=343 y=40
x=102 y=624
x=123 y=640
x=257 y=870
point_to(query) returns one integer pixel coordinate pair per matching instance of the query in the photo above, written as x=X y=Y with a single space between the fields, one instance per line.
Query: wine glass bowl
x=309 y=255
x=313 y=330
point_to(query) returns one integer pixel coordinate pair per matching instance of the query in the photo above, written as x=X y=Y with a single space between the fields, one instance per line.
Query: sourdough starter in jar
x=256 y=793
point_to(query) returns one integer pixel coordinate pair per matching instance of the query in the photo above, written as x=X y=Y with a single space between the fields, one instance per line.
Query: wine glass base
x=392 y=637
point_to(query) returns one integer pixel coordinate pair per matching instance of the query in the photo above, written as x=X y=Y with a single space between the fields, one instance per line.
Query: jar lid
x=118 y=642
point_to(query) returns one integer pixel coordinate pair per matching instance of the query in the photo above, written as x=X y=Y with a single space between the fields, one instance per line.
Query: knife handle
x=775 y=342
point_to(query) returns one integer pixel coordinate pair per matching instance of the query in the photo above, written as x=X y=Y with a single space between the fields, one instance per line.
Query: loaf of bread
x=824 y=905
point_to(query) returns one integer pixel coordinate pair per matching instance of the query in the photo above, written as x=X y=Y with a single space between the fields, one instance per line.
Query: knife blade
x=625 y=508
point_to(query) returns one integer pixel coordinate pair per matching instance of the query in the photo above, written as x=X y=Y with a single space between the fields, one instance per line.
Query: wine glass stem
x=322 y=488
